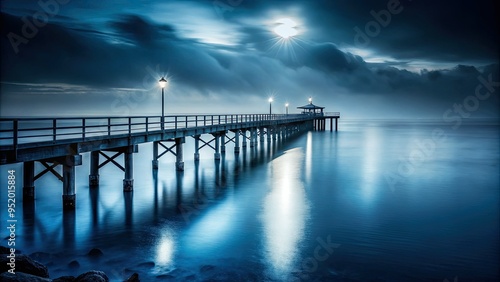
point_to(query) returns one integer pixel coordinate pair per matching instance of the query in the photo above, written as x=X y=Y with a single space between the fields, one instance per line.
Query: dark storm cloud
x=44 y=54
x=433 y=30
x=139 y=31
x=425 y=30
x=128 y=50
x=328 y=57
x=76 y=58
x=354 y=74
x=58 y=54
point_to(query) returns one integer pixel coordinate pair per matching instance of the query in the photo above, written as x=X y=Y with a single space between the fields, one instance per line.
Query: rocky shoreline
x=35 y=268
x=28 y=269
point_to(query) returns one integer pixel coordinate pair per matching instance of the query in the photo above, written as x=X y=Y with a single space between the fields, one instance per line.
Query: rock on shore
x=26 y=265
x=29 y=270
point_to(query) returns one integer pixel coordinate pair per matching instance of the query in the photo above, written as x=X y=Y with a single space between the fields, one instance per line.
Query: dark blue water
x=376 y=201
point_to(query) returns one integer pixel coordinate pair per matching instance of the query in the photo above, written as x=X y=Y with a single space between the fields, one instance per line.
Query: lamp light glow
x=163 y=82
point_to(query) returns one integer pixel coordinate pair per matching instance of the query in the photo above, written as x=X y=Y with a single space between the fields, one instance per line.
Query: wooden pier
x=61 y=141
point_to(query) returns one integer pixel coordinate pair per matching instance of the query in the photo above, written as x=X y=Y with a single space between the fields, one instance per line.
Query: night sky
x=370 y=59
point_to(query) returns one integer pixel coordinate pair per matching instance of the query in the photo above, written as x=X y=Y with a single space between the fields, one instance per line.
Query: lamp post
x=163 y=83
x=270 y=102
x=286 y=106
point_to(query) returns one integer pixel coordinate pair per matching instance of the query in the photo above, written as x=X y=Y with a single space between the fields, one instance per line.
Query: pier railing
x=331 y=114
x=32 y=130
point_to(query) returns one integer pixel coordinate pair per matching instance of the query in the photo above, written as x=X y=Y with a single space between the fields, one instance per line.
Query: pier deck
x=61 y=141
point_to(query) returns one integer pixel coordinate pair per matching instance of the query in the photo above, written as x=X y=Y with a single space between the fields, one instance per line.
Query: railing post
x=175 y=121
x=204 y=120
x=15 y=133
x=54 y=131
x=212 y=120
x=219 y=121
x=83 y=129
x=186 y=121
x=129 y=126
x=109 y=127
x=147 y=125
x=196 y=121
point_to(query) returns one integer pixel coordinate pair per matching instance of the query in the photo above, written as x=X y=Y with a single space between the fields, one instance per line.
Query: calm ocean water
x=376 y=201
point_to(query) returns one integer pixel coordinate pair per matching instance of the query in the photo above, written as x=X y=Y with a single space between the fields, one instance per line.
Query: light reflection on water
x=370 y=169
x=258 y=216
x=285 y=210
x=165 y=250
x=213 y=228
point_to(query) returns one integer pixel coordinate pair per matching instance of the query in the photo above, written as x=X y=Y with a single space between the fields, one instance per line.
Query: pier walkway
x=61 y=141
